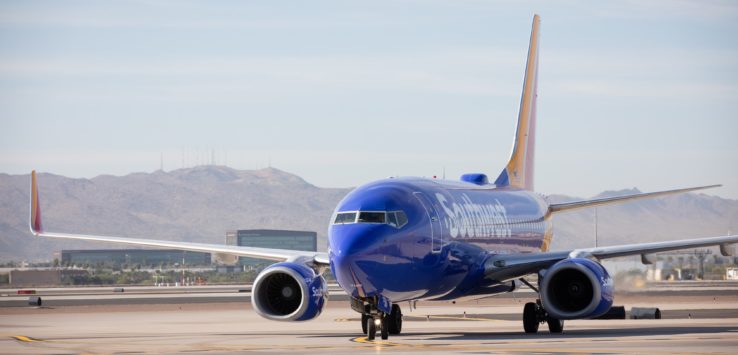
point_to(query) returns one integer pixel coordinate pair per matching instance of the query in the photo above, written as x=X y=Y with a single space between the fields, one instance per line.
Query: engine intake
x=289 y=292
x=576 y=288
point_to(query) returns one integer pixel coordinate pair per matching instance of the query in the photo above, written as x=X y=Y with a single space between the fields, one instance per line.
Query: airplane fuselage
x=452 y=227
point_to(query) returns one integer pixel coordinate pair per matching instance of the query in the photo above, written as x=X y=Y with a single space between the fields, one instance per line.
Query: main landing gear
x=534 y=315
x=373 y=320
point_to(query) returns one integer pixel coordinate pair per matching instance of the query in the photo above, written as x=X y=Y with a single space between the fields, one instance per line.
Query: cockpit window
x=372 y=217
x=401 y=218
x=396 y=219
x=392 y=219
x=345 y=217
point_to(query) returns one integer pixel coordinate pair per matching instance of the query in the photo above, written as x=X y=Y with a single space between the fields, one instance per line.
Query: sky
x=631 y=93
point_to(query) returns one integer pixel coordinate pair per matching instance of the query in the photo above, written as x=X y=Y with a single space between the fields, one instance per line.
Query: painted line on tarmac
x=530 y=346
x=26 y=339
x=365 y=340
x=513 y=347
x=431 y=317
x=428 y=318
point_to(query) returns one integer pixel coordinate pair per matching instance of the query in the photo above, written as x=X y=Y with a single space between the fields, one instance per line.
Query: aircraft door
x=435 y=222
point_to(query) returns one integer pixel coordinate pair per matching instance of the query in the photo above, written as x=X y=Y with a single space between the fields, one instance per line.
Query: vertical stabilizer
x=519 y=170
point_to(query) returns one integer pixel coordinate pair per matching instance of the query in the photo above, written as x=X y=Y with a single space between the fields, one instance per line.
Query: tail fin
x=35 y=221
x=519 y=170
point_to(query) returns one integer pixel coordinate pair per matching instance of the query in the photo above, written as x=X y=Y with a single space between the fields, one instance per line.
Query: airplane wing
x=569 y=206
x=509 y=266
x=262 y=253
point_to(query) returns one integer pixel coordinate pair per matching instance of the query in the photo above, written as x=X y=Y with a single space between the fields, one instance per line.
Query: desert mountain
x=201 y=203
x=194 y=204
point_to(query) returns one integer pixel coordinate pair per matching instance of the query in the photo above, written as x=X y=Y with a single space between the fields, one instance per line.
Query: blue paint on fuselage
x=453 y=227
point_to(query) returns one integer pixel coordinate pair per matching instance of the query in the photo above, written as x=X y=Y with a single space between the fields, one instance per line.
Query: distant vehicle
x=408 y=239
x=731 y=273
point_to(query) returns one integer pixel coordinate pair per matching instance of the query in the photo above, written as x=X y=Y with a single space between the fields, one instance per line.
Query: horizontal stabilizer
x=568 y=206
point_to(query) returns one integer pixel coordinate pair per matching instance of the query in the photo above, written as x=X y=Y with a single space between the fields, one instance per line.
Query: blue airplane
x=409 y=239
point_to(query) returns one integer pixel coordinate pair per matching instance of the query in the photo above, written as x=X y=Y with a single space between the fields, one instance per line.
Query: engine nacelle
x=289 y=292
x=576 y=288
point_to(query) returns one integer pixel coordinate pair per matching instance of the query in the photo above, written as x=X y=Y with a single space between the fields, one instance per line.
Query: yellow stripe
x=364 y=340
x=547 y=235
x=25 y=339
x=465 y=318
x=421 y=318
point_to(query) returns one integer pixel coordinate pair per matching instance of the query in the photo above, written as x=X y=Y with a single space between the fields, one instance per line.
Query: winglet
x=35 y=221
x=519 y=170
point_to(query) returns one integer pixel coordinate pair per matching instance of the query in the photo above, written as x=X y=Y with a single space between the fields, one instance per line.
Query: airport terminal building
x=262 y=238
x=143 y=257
x=271 y=238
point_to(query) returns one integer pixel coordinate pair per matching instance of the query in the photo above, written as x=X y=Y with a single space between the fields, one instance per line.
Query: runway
x=700 y=324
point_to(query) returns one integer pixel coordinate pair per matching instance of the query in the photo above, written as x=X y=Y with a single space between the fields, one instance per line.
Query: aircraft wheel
x=384 y=329
x=530 y=318
x=555 y=325
x=394 y=320
x=371 y=328
x=364 y=318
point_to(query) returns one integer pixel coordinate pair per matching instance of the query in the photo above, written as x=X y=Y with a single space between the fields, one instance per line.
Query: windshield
x=372 y=217
x=396 y=219
x=345 y=217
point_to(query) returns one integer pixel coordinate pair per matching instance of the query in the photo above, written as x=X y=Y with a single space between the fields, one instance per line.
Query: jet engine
x=576 y=288
x=289 y=292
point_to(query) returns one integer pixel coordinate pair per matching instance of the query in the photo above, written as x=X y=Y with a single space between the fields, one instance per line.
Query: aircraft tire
x=530 y=318
x=555 y=325
x=394 y=320
x=364 y=318
x=384 y=330
x=371 y=329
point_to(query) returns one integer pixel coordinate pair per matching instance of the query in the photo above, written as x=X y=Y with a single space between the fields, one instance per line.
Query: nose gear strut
x=373 y=320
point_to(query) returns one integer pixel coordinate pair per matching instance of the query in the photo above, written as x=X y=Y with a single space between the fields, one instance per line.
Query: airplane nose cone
x=351 y=249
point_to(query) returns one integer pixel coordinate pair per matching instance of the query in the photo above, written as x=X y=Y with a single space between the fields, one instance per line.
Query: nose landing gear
x=373 y=320
x=394 y=320
x=374 y=324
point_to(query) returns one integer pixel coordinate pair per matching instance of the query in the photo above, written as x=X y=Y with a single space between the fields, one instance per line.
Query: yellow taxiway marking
x=364 y=340
x=504 y=346
x=26 y=339
x=465 y=318
x=529 y=346
x=432 y=317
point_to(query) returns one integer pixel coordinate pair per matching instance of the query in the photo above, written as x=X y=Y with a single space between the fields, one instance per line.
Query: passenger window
x=372 y=217
x=345 y=217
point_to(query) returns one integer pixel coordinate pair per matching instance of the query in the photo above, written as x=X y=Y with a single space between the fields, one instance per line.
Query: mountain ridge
x=201 y=203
